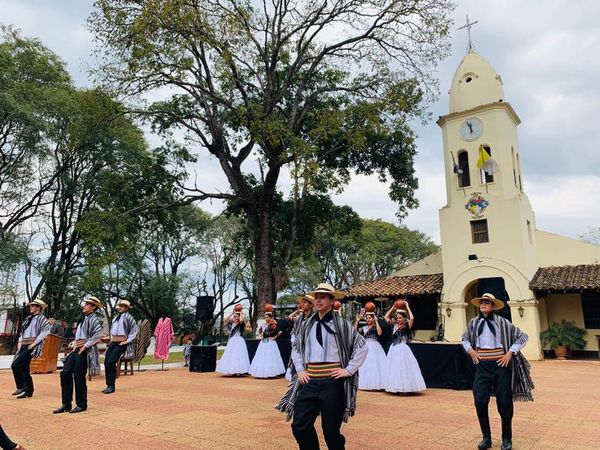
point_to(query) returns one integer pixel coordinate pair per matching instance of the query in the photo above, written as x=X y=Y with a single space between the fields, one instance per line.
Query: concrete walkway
x=177 y=409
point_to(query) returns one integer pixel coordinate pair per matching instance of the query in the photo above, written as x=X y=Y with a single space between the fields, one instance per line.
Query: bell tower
x=488 y=225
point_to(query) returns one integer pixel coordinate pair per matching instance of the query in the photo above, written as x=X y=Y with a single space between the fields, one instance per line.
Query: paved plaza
x=177 y=409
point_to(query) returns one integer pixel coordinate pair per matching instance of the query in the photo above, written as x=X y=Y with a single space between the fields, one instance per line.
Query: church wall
x=429 y=265
x=568 y=307
x=555 y=250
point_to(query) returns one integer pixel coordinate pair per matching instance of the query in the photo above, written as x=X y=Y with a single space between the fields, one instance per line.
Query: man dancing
x=494 y=344
x=31 y=345
x=298 y=317
x=83 y=357
x=122 y=333
x=327 y=354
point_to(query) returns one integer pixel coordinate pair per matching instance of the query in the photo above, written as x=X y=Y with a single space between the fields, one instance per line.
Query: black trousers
x=491 y=377
x=114 y=351
x=5 y=442
x=74 y=372
x=20 y=368
x=324 y=396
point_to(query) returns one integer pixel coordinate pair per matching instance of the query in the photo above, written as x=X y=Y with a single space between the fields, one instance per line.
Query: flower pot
x=561 y=352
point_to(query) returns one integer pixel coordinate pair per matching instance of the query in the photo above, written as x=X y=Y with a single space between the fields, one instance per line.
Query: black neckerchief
x=489 y=320
x=27 y=322
x=116 y=319
x=322 y=323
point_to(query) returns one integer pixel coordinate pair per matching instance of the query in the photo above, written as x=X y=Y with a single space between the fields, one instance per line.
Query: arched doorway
x=493 y=285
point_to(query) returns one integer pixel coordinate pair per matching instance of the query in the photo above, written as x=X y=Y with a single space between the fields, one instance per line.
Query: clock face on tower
x=471 y=129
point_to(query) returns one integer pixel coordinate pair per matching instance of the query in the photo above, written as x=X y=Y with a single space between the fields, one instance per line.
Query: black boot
x=109 y=390
x=18 y=391
x=484 y=424
x=485 y=443
x=506 y=434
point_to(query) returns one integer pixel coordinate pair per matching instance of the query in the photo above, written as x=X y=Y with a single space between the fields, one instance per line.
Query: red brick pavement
x=181 y=410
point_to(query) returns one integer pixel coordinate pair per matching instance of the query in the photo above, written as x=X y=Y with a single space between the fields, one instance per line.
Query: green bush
x=564 y=333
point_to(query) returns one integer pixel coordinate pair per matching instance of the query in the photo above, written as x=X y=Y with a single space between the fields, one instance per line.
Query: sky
x=547 y=53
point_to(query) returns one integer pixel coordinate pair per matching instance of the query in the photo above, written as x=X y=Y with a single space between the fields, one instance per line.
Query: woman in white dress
x=235 y=360
x=403 y=373
x=370 y=374
x=267 y=362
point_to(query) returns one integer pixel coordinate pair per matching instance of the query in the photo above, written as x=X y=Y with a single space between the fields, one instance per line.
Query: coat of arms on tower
x=476 y=205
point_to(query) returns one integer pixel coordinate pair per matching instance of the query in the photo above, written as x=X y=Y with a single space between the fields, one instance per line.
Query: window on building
x=484 y=176
x=529 y=232
x=591 y=310
x=479 y=231
x=519 y=172
x=514 y=163
x=464 y=178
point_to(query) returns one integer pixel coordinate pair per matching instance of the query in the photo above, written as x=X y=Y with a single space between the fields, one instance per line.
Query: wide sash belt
x=321 y=370
x=118 y=338
x=490 y=354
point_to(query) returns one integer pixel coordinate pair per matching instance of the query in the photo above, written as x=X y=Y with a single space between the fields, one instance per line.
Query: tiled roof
x=398 y=286
x=562 y=278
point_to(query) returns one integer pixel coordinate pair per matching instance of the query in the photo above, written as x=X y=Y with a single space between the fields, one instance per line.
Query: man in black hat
x=327 y=354
x=494 y=344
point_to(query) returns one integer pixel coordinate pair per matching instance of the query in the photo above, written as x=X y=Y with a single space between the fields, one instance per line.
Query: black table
x=444 y=365
x=285 y=348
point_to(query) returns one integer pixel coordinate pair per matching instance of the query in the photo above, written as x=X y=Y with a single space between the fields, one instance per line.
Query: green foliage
x=33 y=87
x=344 y=253
x=322 y=89
x=13 y=251
x=564 y=333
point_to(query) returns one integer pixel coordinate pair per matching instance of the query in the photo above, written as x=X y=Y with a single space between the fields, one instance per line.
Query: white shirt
x=118 y=327
x=315 y=353
x=30 y=331
x=487 y=340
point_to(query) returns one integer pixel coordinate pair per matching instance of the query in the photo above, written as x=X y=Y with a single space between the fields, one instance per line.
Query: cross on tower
x=468 y=26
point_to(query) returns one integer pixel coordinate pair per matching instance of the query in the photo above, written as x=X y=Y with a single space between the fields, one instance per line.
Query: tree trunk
x=265 y=280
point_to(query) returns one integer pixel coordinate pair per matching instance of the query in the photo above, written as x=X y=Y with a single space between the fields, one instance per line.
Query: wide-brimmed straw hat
x=309 y=298
x=326 y=288
x=124 y=303
x=498 y=304
x=38 y=302
x=93 y=301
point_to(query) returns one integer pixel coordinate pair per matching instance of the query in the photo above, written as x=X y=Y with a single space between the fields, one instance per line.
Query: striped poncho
x=90 y=329
x=131 y=330
x=521 y=381
x=163 y=333
x=348 y=342
x=42 y=329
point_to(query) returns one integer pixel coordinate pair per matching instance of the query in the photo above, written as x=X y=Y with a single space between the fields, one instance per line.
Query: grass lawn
x=173 y=358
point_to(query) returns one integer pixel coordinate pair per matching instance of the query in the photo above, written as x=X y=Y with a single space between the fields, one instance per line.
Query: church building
x=489 y=239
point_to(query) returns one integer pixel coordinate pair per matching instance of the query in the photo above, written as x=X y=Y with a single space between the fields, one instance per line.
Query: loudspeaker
x=205 y=307
x=203 y=358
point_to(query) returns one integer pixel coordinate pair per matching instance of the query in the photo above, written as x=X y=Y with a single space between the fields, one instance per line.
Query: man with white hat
x=327 y=354
x=123 y=331
x=494 y=344
x=31 y=344
x=84 y=357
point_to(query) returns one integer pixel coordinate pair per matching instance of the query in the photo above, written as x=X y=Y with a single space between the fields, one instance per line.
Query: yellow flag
x=483 y=157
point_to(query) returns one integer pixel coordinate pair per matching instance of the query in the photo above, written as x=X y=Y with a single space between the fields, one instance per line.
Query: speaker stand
x=162 y=368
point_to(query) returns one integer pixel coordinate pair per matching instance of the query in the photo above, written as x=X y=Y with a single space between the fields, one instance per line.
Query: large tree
x=33 y=86
x=316 y=89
